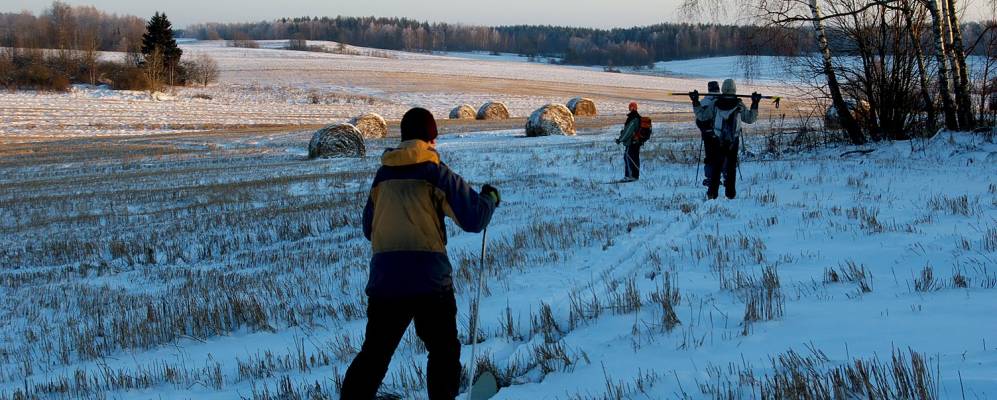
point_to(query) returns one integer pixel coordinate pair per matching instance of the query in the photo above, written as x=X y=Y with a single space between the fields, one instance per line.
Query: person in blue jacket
x=411 y=278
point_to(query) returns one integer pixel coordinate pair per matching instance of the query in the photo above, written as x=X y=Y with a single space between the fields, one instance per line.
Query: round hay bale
x=371 y=125
x=582 y=107
x=551 y=119
x=859 y=110
x=337 y=141
x=463 y=111
x=493 y=110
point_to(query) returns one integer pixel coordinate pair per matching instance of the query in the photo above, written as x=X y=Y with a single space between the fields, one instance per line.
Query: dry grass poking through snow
x=229 y=266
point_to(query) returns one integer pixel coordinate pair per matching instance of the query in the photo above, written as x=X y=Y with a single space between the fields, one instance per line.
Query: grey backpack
x=727 y=125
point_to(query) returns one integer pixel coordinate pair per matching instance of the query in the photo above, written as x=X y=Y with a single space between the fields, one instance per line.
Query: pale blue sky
x=588 y=13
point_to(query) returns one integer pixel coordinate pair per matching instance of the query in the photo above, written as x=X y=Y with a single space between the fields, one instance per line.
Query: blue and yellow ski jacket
x=412 y=192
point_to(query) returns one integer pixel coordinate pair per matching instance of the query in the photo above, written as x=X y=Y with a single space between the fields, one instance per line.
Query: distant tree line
x=632 y=46
x=63 y=45
x=636 y=46
x=62 y=26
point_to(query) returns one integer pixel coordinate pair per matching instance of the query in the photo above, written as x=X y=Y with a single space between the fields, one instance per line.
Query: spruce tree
x=159 y=46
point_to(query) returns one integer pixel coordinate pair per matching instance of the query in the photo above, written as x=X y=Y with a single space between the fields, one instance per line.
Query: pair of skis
x=775 y=99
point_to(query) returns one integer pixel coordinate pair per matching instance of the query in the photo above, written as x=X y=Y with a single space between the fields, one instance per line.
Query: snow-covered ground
x=229 y=266
x=273 y=86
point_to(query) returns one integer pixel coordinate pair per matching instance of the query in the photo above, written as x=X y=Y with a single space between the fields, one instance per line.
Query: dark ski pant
x=387 y=319
x=632 y=160
x=708 y=147
x=722 y=161
x=710 y=144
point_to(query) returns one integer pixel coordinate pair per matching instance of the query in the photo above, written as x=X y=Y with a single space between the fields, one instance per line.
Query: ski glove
x=755 y=98
x=694 y=96
x=489 y=190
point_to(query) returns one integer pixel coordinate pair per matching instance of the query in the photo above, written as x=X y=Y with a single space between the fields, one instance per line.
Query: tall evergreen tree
x=158 y=44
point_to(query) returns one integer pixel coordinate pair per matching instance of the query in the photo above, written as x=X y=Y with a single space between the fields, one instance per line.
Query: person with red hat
x=411 y=278
x=630 y=137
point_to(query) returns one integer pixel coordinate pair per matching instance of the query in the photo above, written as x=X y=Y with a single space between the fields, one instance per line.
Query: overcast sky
x=587 y=13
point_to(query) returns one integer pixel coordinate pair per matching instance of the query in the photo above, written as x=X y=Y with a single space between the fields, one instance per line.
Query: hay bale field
x=493 y=110
x=582 y=107
x=370 y=125
x=551 y=119
x=337 y=141
x=463 y=111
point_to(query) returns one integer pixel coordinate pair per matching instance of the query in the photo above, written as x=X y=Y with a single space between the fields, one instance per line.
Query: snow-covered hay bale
x=551 y=119
x=493 y=110
x=463 y=111
x=582 y=107
x=371 y=125
x=858 y=109
x=337 y=141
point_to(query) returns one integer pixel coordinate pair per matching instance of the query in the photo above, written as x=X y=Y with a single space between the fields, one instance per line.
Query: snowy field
x=211 y=266
x=271 y=86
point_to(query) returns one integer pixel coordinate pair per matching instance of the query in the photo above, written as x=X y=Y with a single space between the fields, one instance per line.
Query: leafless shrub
x=990 y=239
x=764 y=302
x=202 y=69
x=545 y=324
x=868 y=218
x=625 y=302
x=926 y=281
x=551 y=357
x=668 y=297
x=959 y=280
x=583 y=309
x=852 y=273
x=510 y=327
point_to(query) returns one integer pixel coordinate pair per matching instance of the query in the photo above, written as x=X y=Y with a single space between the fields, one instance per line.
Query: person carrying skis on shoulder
x=630 y=138
x=411 y=278
x=706 y=132
x=727 y=112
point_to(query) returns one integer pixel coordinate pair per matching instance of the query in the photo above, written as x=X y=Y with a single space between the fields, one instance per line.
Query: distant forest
x=62 y=26
x=636 y=46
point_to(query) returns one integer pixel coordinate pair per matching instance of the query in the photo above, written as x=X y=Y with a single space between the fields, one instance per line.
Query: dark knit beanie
x=713 y=87
x=418 y=123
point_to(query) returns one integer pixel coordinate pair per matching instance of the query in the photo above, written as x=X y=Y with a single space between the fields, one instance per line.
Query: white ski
x=485 y=387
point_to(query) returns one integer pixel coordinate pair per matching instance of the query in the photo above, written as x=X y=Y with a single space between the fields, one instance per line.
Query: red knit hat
x=633 y=106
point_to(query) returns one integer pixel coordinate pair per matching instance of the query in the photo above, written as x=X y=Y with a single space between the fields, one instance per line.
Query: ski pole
x=738 y=164
x=699 y=161
x=474 y=315
x=777 y=100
